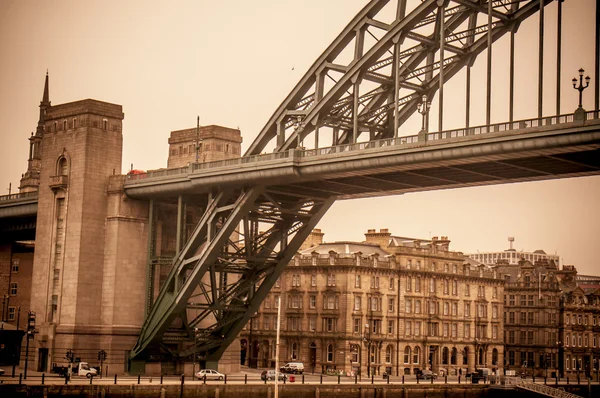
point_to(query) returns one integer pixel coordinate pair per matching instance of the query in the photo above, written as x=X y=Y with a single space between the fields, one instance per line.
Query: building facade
x=387 y=305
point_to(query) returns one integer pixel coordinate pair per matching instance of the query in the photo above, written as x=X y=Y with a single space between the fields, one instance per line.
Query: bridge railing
x=18 y=196
x=397 y=141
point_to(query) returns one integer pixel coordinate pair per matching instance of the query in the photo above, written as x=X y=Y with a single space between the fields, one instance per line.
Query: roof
x=347 y=247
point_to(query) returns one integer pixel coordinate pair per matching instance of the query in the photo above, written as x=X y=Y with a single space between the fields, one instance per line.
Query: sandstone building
x=387 y=305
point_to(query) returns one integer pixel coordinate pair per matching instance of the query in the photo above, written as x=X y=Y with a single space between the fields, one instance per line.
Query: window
x=312 y=301
x=511 y=301
x=295 y=301
x=446 y=308
x=417 y=331
x=432 y=307
x=494 y=332
x=278 y=282
x=330 y=324
x=313 y=280
x=356 y=325
x=417 y=306
x=357 y=303
x=390 y=326
x=467 y=310
x=433 y=329
x=454 y=268
x=408 y=264
x=388 y=354
x=467 y=330
x=331 y=280
x=530 y=318
x=15 y=266
x=104 y=124
x=445 y=356
x=330 y=303
x=276 y=297
x=530 y=300
x=467 y=290
x=446 y=286
x=375 y=282
x=295 y=280
x=445 y=329
x=418 y=264
x=407 y=328
x=494 y=311
x=408 y=306
x=13 y=288
x=454 y=330
x=446 y=267
x=392 y=283
x=312 y=323
x=455 y=288
x=511 y=337
x=495 y=292
x=294 y=350
x=408 y=283
x=329 y=352
x=357 y=281
x=523 y=301
x=454 y=309
x=432 y=285
x=266 y=322
x=12 y=311
x=417 y=284
x=416 y=355
x=391 y=303
x=406 y=354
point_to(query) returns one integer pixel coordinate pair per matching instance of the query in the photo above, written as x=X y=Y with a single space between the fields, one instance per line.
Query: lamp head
x=581 y=70
x=587 y=80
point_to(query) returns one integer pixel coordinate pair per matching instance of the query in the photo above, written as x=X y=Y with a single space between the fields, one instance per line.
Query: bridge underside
x=446 y=175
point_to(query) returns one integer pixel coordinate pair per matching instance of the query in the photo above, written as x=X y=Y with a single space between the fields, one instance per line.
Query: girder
x=417 y=72
x=231 y=260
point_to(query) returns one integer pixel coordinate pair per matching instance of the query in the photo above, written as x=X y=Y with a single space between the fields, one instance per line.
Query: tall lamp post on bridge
x=580 y=112
x=423 y=108
x=197 y=141
x=368 y=342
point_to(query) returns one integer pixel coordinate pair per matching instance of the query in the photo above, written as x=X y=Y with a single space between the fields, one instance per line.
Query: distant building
x=390 y=305
x=512 y=256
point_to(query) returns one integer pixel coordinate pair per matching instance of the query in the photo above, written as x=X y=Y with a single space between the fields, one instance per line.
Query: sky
x=232 y=63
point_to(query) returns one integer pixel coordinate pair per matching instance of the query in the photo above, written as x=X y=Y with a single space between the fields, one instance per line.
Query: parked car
x=426 y=375
x=293 y=367
x=210 y=374
x=270 y=375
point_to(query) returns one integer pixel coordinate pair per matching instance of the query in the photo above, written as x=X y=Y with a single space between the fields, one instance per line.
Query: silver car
x=210 y=374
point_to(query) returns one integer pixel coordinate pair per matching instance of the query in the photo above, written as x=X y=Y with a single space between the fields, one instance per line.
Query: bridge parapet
x=18 y=197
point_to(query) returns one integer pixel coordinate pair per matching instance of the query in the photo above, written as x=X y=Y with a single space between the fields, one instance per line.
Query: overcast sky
x=233 y=62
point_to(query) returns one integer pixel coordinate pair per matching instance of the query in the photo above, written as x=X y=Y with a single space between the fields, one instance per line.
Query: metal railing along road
x=444 y=136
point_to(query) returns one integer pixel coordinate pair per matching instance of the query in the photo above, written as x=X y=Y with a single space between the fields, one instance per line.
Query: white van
x=293 y=367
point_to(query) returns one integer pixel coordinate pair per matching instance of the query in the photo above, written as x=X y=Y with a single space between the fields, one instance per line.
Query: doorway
x=43 y=362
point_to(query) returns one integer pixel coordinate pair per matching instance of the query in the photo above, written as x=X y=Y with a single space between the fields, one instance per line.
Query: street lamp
x=581 y=87
x=195 y=354
x=423 y=108
x=197 y=141
x=368 y=341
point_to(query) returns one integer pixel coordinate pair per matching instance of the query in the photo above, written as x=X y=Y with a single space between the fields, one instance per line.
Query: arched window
x=407 y=354
x=445 y=354
x=494 y=357
x=388 y=354
x=329 y=352
x=466 y=356
x=416 y=354
x=62 y=168
x=480 y=362
x=453 y=356
x=294 y=351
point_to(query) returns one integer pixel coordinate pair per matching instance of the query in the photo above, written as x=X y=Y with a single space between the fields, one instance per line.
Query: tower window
x=104 y=124
x=64 y=125
x=62 y=168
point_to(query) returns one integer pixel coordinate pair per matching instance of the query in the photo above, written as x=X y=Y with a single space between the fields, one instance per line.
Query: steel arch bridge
x=362 y=89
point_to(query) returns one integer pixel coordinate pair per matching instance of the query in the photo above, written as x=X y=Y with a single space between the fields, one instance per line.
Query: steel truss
x=230 y=262
x=379 y=88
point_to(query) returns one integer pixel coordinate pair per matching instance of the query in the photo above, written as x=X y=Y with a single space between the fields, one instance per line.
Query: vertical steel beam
x=178 y=226
x=468 y=96
x=355 y=98
x=441 y=12
x=558 y=54
x=280 y=133
x=511 y=95
x=488 y=107
x=319 y=84
x=597 y=65
x=149 y=254
x=400 y=14
x=541 y=60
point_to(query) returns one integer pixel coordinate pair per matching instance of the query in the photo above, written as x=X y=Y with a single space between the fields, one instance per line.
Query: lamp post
x=197 y=141
x=581 y=87
x=195 y=354
x=368 y=341
x=423 y=108
x=30 y=332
